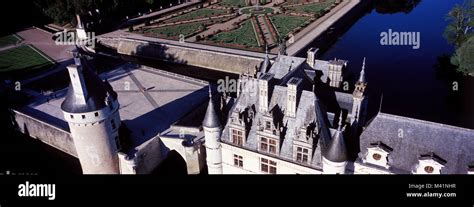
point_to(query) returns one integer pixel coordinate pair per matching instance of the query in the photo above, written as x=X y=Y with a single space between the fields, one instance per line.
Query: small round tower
x=91 y=110
x=335 y=158
x=212 y=132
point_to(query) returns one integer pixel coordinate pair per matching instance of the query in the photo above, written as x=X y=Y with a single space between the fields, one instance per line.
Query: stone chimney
x=263 y=91
x=291 y=96
x=312 y=53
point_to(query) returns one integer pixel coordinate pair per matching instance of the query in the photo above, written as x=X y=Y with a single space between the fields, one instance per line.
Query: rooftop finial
x=266 y=49
x=210 y=92
x=340 y=122
x=363 y=64
x=362 y=72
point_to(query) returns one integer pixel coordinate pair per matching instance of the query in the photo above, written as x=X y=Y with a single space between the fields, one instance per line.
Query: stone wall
x=251 y=163
x=220 y=61
x=52 y=135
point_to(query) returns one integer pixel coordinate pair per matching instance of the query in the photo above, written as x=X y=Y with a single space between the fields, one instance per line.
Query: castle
x=289 y=117
x=289 y=128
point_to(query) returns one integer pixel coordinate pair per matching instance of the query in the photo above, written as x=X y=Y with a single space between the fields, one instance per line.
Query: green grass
x=310 y=8
x=233 y=3
x=285 y=24
x=176 y=30
x=8 y=40
x=200 y=13
x=244 y=35
x=21 y=58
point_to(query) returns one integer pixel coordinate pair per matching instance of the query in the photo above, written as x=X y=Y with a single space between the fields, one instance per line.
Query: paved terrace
x=150 y=100
x=44 y=42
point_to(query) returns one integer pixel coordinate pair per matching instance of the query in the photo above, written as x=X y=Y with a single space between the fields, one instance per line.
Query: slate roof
x=309 y=110
x=97 y=91
x=454 y=145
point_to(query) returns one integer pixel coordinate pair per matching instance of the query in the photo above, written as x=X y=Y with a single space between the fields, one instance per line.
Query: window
x=377 y=156
x=238 y=161
x=267 y=125
x=96 y=114
x=83 y=116
x=302 y=154
x=237 y=137
x=268 y=145
x=429 y=169
x=268 y=166
x=112 y=122
x=72 y=116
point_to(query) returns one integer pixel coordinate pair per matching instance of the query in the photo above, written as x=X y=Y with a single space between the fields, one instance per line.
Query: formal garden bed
x=197 y=14
x=255 y=29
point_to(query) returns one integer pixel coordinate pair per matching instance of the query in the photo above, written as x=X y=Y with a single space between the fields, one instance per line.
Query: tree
x=463 y=58
x=461 y=19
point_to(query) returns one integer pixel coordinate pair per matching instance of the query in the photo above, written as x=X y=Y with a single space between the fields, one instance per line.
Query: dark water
x=411 y=83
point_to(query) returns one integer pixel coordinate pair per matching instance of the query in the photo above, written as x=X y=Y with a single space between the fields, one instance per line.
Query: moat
x=411 y=80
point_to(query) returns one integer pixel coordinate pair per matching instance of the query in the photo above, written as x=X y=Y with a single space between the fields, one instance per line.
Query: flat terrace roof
x=151 y=100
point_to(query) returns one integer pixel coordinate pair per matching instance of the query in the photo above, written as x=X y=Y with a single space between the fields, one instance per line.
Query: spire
x=266 y=61
x=362 y=73
x=80 y=24
x=339 y=128
x=87 y=91
x=210 y=119
x=336 y=151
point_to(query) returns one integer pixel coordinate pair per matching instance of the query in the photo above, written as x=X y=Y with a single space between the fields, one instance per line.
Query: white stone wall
x=330 y=167
x=251 y=163
x=361 y=167
x=213 y=150
x=149 y=156
x=95 y=140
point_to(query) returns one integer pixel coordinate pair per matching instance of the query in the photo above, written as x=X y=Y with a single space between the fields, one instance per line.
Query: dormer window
x=268 y=145
x=268 y=125
x=302 y=154
x=377 y=154
x=237 y=137
x=429 y=164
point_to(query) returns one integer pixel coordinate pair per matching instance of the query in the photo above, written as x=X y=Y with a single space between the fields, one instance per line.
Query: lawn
x=244 y=35
x=310 y=8
x=285 y=24
x=200 y=13
x=22 y=61
x=22 y=57
x=233 y=3
x=8 y=40
x=176 y=30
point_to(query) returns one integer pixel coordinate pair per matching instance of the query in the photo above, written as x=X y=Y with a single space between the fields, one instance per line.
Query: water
x=411 y=83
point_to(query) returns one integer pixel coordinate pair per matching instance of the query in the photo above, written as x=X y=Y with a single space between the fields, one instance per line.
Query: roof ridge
x=393 y=116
